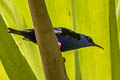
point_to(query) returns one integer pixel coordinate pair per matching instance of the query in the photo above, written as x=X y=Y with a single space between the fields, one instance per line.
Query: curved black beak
x=98 y=46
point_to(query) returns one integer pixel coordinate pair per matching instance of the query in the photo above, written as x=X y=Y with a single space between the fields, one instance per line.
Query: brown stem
x=53 y=64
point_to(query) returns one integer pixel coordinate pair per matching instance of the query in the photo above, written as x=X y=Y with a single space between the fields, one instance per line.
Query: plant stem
x=53 y=64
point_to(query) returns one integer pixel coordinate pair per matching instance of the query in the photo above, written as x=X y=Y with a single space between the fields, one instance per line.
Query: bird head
x=87 y=41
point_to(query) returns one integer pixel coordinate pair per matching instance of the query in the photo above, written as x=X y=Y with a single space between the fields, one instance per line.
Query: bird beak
x=98 y=46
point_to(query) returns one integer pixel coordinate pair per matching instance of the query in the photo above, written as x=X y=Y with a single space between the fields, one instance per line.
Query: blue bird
x=67 y=39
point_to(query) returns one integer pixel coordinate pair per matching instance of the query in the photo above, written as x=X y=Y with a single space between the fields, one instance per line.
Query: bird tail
x=10 y=30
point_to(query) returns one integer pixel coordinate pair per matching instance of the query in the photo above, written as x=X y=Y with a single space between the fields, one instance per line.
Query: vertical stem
x=114 y=42
x=50 y=54
x=77 y=66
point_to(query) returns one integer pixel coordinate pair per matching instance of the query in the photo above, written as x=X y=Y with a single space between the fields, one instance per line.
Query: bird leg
x=59 y=44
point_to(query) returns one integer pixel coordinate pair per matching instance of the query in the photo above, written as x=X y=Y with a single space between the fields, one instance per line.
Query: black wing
x=64 y=31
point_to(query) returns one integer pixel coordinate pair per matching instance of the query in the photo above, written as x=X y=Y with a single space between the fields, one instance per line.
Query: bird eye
x=89 y=39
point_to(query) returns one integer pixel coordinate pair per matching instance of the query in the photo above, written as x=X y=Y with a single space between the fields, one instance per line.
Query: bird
x=67 y=39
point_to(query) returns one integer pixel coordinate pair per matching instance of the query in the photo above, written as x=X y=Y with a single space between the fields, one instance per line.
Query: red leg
x=59 y=44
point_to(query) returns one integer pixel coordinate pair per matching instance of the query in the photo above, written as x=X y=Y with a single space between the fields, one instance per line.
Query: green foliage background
x=20 y=59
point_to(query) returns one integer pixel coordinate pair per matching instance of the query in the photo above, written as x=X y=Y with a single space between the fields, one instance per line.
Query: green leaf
x=16 y=14
x=95 y=18
x=118 y=20
x=92 y=18
x=15 y=65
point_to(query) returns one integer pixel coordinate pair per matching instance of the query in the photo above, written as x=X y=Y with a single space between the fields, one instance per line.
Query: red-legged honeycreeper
x=67 y=39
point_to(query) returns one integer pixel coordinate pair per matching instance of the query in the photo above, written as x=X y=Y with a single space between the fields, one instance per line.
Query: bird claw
x=64 y=60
